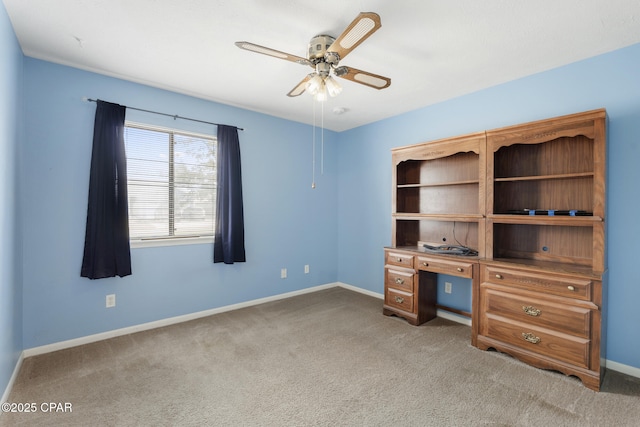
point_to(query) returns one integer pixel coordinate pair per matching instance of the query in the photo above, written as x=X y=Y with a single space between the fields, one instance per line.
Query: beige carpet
x=324 y=359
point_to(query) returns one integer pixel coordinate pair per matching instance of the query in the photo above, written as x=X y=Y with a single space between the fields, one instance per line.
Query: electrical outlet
x=306 y=269
x=447 y=287
x=111 y=300
x=283 y=273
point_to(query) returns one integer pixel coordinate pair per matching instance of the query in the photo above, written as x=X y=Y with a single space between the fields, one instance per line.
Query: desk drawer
x=538 y=340
x=399 y=279
x=551 y=284
x=400 y=259
x=399 y=299
x=451 y=267
x=539 y=312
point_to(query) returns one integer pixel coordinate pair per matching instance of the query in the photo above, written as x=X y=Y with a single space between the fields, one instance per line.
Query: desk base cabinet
x=411 y=277
x=407 y=293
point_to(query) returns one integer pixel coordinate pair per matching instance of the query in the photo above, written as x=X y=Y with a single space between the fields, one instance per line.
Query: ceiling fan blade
x=363 y=77
x=365 y=24
x=272 y=52
x=300 y=87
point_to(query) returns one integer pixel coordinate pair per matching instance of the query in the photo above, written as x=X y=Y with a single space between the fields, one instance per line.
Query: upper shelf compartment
x=441 y=178
x=439 y=191
x=537 y=174
x=556 y=159
x=552 y=165
x=455 y=169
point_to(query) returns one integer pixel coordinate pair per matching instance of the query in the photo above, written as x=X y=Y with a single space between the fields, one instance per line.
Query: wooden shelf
x=437 y=217
x=545 y=177
x=441 y=184
x=576 y=221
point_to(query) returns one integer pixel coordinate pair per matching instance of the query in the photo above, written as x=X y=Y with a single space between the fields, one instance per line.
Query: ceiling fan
x=324 y=54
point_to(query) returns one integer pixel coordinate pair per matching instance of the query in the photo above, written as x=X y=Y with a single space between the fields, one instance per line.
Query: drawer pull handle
x=399 y=281
x=459 y=269
x=426 y=264
x=399 y=300
x=399 y=259
x=531 y=311
x=528 y=336
x=571 y=288
x=498 y=276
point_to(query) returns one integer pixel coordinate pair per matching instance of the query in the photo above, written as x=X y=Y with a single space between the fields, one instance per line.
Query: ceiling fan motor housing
x=318 y=47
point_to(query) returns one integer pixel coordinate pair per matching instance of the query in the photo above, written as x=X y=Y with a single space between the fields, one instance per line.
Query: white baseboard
x=360 y=290
x=12 y=380
x=624 y=369
x=440 y=313
x=453 y=317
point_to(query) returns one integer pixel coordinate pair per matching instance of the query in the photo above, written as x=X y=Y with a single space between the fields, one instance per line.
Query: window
x=171 y=185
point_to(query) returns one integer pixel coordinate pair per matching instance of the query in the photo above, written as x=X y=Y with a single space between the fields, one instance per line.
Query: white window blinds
x=171 y=183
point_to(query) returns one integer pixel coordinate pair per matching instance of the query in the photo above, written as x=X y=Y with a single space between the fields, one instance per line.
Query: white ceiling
x=432 y=50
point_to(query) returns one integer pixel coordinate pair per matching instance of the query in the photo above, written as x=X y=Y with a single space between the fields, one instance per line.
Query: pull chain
x=322 y=144
x=313 y=147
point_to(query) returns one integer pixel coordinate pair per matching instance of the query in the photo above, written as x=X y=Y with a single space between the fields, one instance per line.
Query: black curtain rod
x=168 y=115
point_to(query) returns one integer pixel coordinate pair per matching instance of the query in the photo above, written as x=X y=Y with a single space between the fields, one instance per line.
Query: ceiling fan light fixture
x=333 y=87
x=321 y=95
x=315 y=85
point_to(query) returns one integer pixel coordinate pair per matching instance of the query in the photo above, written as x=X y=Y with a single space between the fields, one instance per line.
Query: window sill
x=173 y=241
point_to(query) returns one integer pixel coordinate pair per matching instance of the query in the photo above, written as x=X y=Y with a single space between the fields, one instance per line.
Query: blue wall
x=610 y=81
x=287 y=224
x=10 y=223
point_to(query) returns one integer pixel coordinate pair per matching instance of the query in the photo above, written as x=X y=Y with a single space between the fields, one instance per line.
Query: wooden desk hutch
x=530 y=200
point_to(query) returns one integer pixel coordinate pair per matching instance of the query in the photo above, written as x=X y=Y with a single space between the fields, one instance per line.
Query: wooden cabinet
x=438 y=199
x=530 y=199
x=406 y=293
x=546 y=318
x=544 y=273
x=439 y=193
x=410 y=286
x=546 y=191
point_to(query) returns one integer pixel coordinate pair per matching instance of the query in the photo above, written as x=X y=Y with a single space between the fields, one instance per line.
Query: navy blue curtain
x=106 y=242
x=228 y=246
